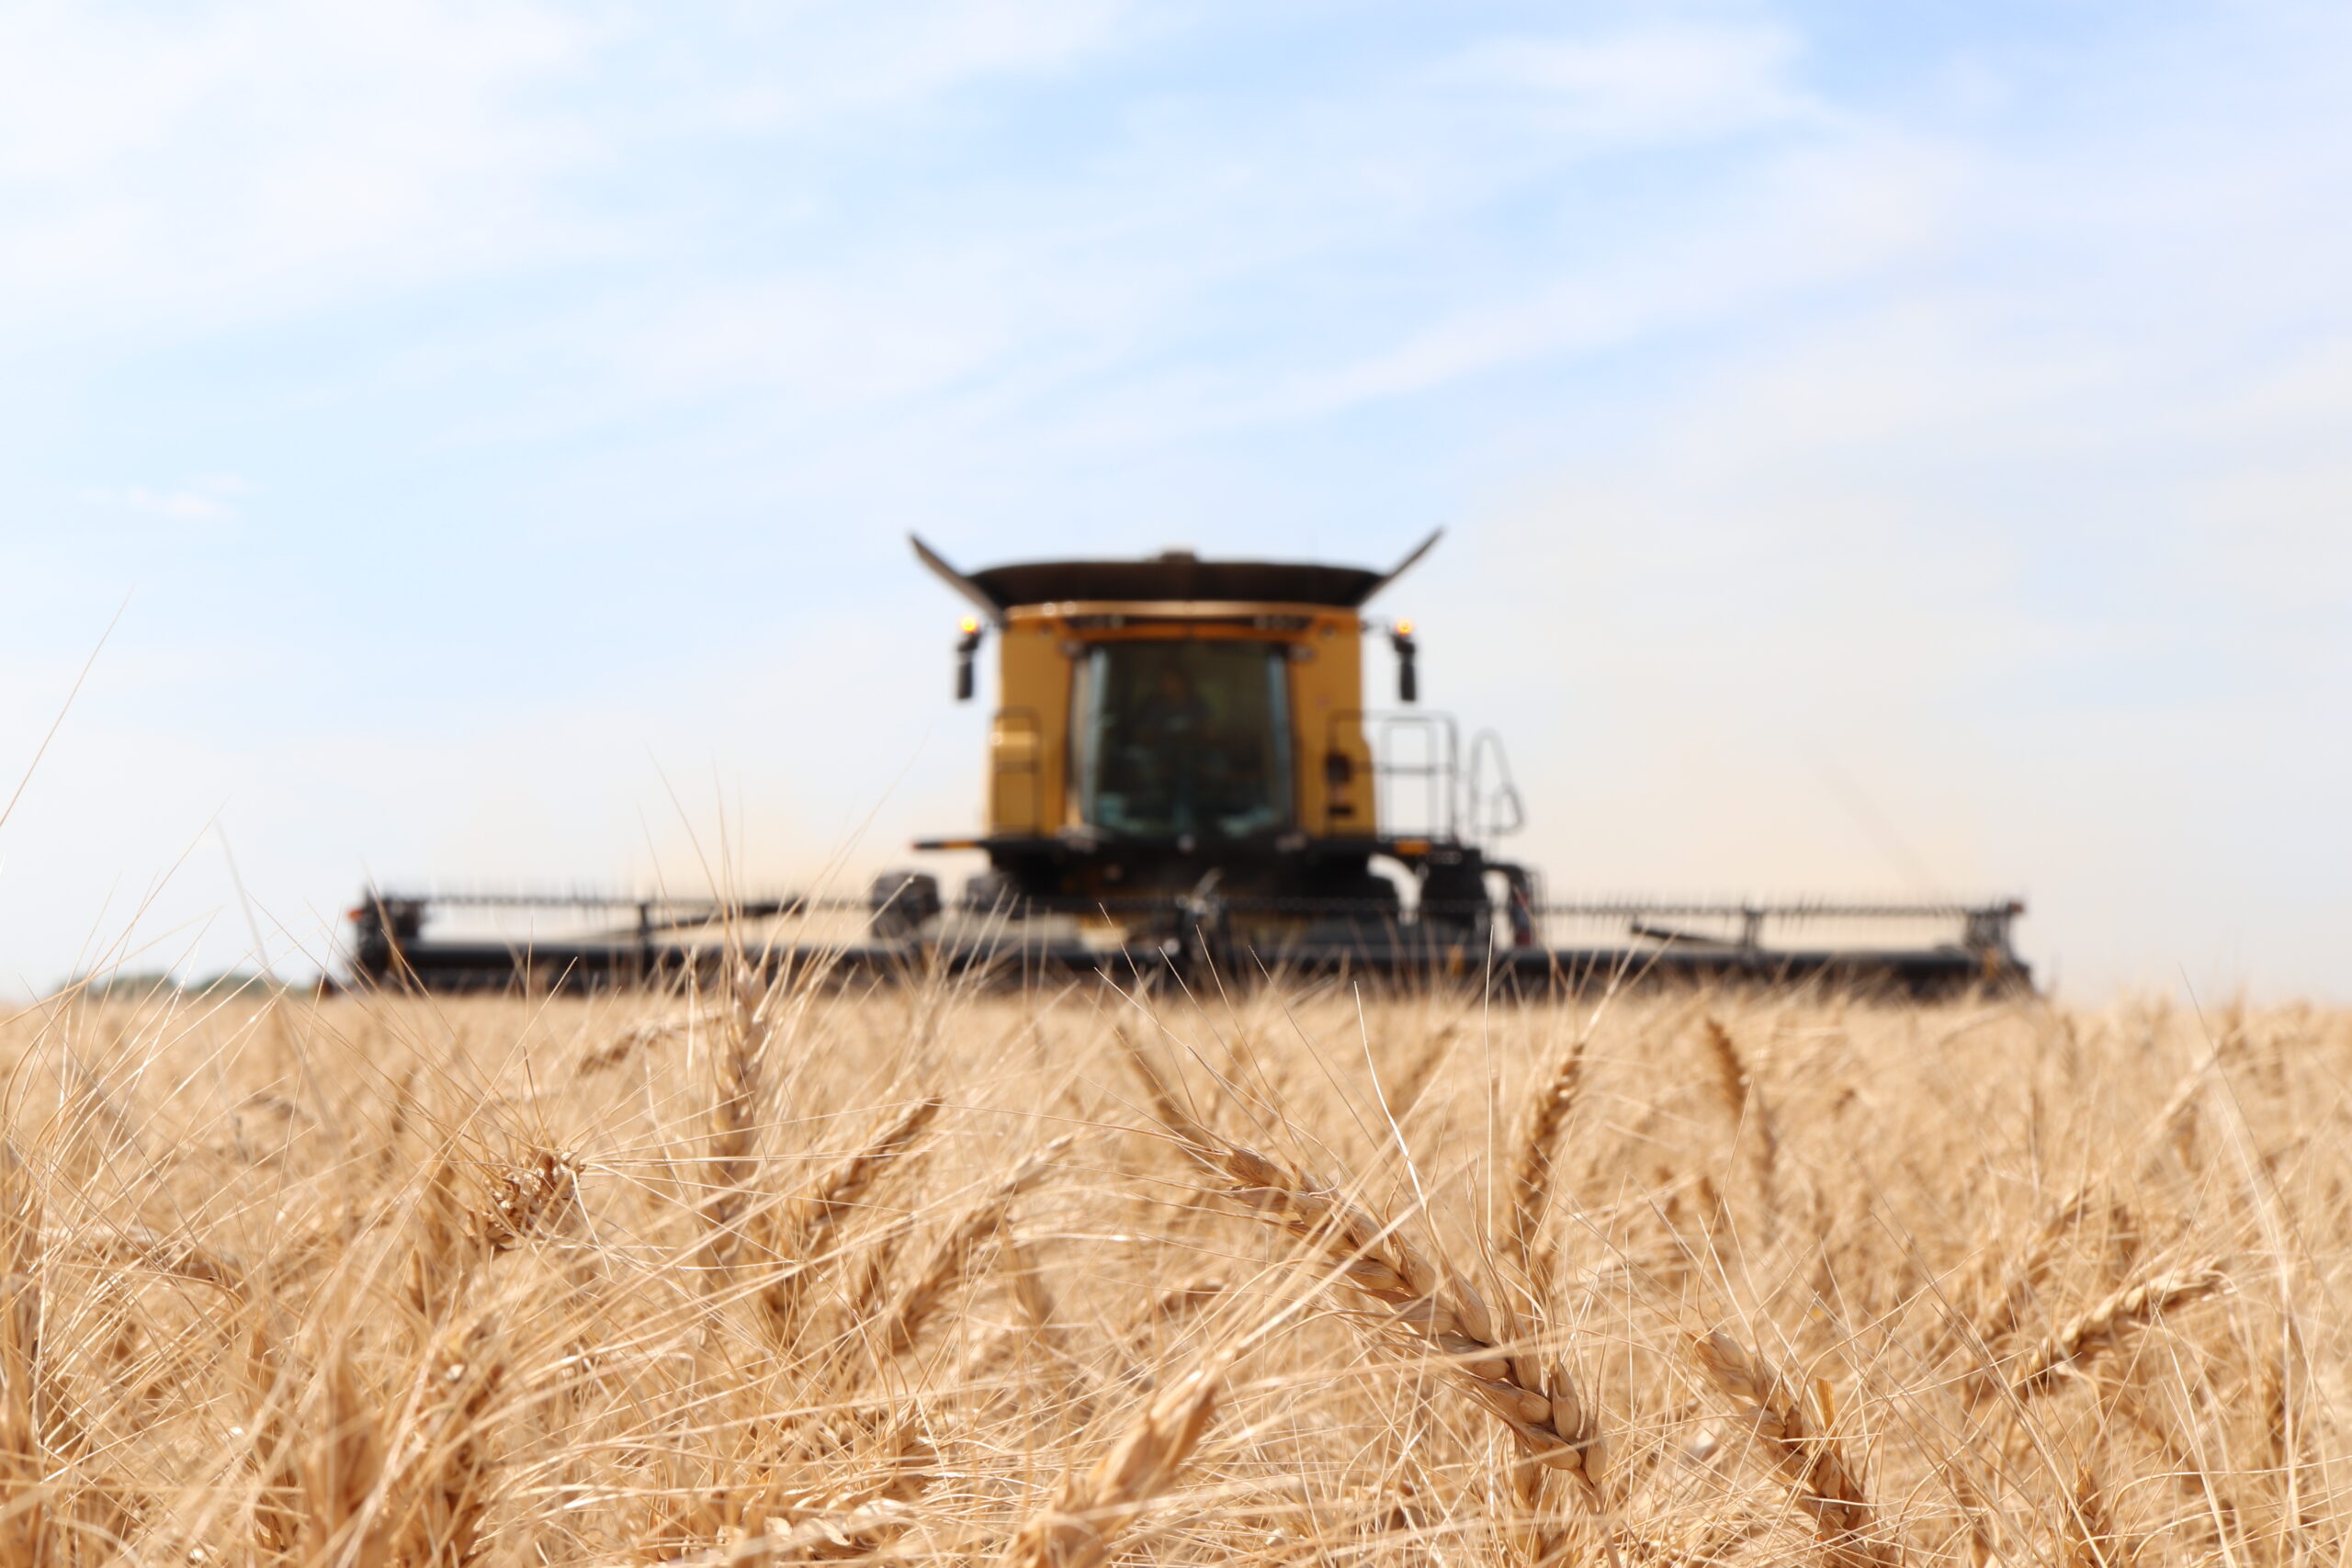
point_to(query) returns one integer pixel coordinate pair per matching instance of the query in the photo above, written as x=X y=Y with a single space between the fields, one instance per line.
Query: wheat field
x=1295 y=1275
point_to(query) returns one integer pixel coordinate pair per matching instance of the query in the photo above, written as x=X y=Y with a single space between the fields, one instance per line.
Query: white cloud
x=246 y=159
x=241 y=161
x=207 y=498
x=798 y=64
x=1153 y=292
x=1667 y=81
x=178 y=504
x=1814 y=218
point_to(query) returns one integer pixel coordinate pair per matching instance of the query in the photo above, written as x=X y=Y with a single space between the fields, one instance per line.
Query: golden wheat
x=1076 y=1531
x=790 y=1273
x=1530 y=1177
x=1820 y=1474
x=1481 y=1351
x=2101 y=1327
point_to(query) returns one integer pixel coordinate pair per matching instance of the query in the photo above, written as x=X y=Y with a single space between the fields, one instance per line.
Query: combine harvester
x=1182 y=776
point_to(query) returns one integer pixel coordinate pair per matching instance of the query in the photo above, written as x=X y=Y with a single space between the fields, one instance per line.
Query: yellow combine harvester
x=1183 y=771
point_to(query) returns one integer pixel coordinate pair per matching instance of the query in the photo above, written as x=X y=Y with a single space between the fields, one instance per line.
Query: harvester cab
x=1184 y=770
x=1174 y=730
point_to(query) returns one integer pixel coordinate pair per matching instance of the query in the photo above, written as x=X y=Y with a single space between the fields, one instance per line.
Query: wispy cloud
x=183 y=170
x=1170 y=280
x=230 y=163
x=1669 y=82
x=1813 y=219
x=207 y=498
x=799 y=66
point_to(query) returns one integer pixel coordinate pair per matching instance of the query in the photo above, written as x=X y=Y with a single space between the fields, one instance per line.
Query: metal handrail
x=1440 y=774
x=1486 y=755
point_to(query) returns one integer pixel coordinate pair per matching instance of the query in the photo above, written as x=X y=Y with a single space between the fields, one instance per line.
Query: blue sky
x=1887 y=449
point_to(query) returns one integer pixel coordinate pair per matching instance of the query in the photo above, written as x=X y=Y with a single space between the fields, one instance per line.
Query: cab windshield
x=1184 y=737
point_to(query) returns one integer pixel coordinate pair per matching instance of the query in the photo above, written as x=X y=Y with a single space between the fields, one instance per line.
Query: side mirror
x=1408 y=676
x=965 y=647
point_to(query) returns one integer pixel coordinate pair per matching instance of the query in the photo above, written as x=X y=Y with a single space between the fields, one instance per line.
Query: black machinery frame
x=650 y=938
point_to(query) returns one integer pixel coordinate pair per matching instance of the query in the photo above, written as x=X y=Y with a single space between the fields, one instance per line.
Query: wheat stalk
x=638 y=1036
x=139 y=1246
x=1419 y=1303
x=1998 y=1322
x=2087 y=1526
x=1812 y=1460
x=921 y=1300
x=1169 y=1110
x=1092 y=1509
x=442 y=1493
x=1743 y=1102
x=1531 y=1183
x=837 y=1192
x=269 y=1386
x=1185 y=1298
x=445 y=1242
x=1551 y=1423
x=2101 y=1326
x=541 y=1193
x=30 y=1528
x=799 y=1237
x=626 y=1412
x=733 y=1161
x=336 y=1465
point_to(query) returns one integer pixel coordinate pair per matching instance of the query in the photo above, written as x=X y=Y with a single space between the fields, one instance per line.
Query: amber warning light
x=1408 y=677
x=966 y=646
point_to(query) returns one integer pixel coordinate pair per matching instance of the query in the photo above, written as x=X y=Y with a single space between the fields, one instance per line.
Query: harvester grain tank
x=1183 y=771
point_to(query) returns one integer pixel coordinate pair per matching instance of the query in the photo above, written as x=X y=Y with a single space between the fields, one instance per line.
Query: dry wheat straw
x=30 y=1531
x=248 y=1351
x=444 y=1494
x=1809 y=1457
x=1187 y=1297
x=1479 y=1350
x=337 y=1456
x=2089 y=1527
x=1170 y=1113
x=733 y=1160
x=1404 y=1095
x=1076 y=1531
x=801 y=1236
x=1531 y=1183
x=2000 y=1322
x=921 y=1300
x=2101 y=1326
x=838 y=1191
x=1743 y=1102
x=540 y=1194
x=447 y=1243
x=138 y=1246
x=640 y=1036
